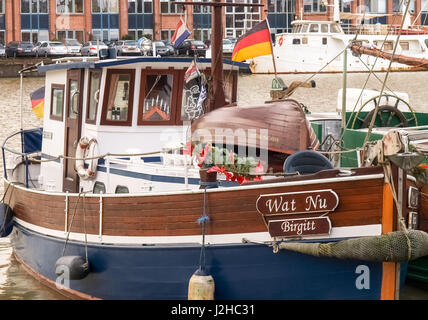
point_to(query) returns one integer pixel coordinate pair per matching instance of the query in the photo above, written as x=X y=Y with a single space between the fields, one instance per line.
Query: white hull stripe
x=234 y=238
x=229 y=189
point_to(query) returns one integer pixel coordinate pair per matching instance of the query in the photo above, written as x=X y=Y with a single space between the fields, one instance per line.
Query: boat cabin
x=125 y=106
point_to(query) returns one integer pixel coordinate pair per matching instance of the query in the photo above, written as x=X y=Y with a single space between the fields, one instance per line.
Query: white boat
x=316 y=46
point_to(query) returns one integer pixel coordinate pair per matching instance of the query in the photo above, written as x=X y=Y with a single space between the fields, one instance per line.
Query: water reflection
x=16 y=283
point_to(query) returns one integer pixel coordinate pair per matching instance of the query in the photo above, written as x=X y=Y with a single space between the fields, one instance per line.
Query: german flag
x=38 y=102
x=254 y=43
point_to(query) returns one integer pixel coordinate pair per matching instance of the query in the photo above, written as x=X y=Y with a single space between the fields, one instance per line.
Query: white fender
x=86 y=149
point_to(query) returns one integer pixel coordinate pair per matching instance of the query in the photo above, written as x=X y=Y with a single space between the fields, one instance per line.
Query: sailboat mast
x=217 y=99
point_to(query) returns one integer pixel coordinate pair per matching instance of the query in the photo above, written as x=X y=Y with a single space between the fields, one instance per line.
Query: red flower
x=259 y=168
x=203 y=156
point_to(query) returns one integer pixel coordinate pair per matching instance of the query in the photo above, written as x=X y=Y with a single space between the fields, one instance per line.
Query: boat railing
x=382 y=29
x=31 y=142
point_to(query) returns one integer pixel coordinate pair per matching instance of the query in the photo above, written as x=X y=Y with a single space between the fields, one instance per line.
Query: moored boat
x=108 y=200
x=316 y=46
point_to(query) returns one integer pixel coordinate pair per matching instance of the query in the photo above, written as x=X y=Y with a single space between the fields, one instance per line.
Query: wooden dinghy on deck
x=280 y=127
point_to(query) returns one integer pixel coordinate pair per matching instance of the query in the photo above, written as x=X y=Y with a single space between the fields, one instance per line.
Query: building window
x=314 y=6
x=167 y=34
x=69 y=6
x=118 y=97
x=140 y=6
x=202 y=34
x=34 y=6
x=241 y=19
x=400 y=5
x=202 y=9
x=2 y=2
x=375 y=6
x=139 y=33
x=105 y=34
x=105 y=6
x=57 y=101
x=168 y=6
x=79 y=35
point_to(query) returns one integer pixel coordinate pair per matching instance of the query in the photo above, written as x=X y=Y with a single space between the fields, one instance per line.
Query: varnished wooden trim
x=175 y=102
x=87 y=120
x=128 y=122
x=388 y=268
x=51 y=115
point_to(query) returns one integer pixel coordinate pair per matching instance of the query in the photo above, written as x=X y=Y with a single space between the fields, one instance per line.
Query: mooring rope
x=72 y=219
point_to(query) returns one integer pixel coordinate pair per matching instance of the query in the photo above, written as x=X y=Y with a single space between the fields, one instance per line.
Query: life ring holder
x=86 y=149
x=280 y=41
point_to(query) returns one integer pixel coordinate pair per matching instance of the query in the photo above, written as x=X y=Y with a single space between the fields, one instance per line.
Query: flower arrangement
x=420 y=172
x=227 y=162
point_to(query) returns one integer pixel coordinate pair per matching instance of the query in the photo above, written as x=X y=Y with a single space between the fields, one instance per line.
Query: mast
x=217 y=99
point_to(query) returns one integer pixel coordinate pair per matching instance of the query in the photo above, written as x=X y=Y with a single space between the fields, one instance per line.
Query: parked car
x=51 y=48
x=73 y=46
x=110 y=44
x=234 y=40
x=170 y=47
x=161 y=49
x=2 y=50
x=227 y=46
x=37 y=47
x=19 y=49
x=127 y=47
x=90 y=48
x=192 y=47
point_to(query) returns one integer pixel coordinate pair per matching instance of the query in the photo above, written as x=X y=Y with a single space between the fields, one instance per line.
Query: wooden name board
x=299 y=227
x=297 y=202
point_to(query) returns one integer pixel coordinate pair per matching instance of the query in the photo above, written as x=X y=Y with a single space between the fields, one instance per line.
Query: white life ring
x=86 y=149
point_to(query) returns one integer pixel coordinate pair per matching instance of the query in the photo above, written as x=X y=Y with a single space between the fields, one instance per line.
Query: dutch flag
x=181 y=33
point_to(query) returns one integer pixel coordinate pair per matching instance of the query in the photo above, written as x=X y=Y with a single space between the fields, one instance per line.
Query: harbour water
x=16 y=284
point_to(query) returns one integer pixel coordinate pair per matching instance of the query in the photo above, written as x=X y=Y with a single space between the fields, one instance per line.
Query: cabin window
x=158 y=97
x=334 y=28
x=404 y=45
x=387 y=45
x=99 y=187
x=324 y=40
x=118 y=97
x=426 y=42
x=93 y=95
x=296 y=41
x=324 y=28
x=305 y=28
x=73 y=109
x=57 y=101
x=121 y=189
x=314 y=28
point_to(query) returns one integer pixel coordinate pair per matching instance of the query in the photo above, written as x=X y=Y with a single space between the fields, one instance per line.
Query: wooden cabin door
x=73 y=121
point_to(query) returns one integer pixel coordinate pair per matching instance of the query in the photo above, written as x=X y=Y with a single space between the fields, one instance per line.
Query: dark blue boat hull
x=240 y=271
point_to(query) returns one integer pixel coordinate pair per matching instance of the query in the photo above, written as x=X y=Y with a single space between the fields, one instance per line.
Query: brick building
x=35 y=20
